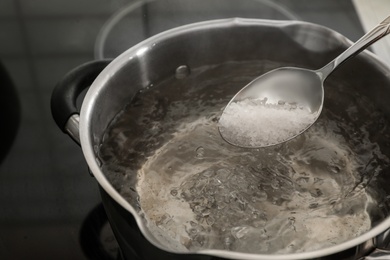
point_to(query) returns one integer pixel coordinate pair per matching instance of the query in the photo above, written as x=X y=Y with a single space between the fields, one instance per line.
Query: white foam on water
x=243 y=208
x=253 y=123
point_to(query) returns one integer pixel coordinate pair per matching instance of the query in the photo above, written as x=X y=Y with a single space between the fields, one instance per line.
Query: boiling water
x=164 y=154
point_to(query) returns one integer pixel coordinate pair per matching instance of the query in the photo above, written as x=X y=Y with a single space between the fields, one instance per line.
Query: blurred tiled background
x=45 y=189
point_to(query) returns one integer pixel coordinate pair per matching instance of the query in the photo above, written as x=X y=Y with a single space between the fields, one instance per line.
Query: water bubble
x=208 y=173
x=96 y=148
x=174 y=192
x=242 y=205
x=292 y=222
x=285 y=197
x=293 y=105
x=302 y=180
x=182 y=72
x=316 y=193
x=259 y=195
x=172 y=234
x=221 y=205
x=228 y=241
x=261 y=222
x=263 y=101
x=98 y=161
x=335 y=168
x=227 y=198
x=256 y=214
x=205 y=212
x=164 y=220
x=210 y=220
x=200 y=152
x=198 y=209
x=192 y=231
x=222 y=174
x=318 y=181
x=240 y=231
x=215 y=182
x=251 y=187
x=186 y=194
x=275 y=184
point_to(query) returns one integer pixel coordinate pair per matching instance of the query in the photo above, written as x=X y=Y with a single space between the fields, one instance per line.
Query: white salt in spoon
x=284 y=102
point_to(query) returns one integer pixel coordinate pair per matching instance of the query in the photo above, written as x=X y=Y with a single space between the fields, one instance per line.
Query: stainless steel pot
x=207 y=43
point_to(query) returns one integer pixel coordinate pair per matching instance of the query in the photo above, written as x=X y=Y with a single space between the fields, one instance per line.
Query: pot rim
x=139 y=50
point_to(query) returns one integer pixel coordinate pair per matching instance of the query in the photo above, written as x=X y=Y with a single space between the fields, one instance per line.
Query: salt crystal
x=254 y=123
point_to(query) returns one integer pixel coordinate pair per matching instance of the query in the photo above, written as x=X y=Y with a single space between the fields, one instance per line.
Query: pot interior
x=161 y=150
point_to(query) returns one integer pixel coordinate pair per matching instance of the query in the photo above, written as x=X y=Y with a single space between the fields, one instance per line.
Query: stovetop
x=49 y=204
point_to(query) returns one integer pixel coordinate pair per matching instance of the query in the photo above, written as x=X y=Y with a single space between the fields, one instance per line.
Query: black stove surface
x=50 y=207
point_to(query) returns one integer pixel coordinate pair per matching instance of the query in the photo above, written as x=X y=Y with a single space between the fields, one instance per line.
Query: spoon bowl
x=285 y=102
x=273 y=108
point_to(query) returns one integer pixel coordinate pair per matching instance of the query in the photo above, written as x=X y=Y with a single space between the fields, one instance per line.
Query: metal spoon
x=284 y=102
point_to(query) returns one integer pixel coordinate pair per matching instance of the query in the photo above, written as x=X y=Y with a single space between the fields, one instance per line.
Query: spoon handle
x=379 y=31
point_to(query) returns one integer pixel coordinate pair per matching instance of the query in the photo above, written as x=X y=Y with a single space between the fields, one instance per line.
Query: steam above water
x=164 y=154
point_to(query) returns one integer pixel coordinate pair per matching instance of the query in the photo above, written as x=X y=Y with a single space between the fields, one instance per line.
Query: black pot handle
x=66 y=92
